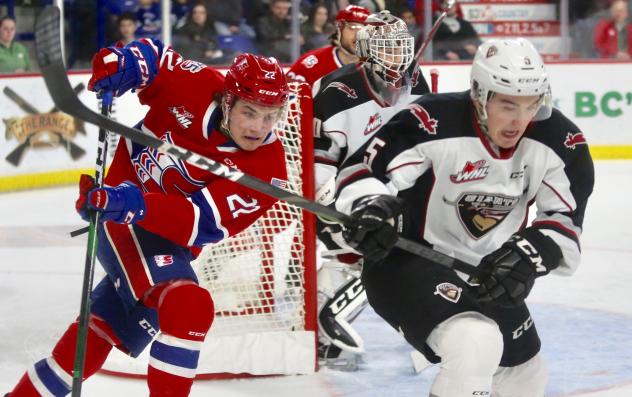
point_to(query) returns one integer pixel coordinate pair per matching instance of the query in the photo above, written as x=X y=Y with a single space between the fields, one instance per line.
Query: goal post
x=263 y=280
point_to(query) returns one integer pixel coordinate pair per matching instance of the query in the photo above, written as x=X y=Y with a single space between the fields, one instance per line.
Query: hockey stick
x=446 y=6
x=52 y=67
x=91 y=253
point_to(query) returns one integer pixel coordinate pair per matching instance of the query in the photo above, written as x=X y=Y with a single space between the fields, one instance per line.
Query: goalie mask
x=386 y=45
x=509 y=67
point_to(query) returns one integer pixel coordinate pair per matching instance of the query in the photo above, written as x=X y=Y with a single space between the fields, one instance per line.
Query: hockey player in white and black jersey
x=350 y=105
x=459 y=172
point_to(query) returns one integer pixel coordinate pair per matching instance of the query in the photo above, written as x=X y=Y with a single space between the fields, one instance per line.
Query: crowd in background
x=215 y=31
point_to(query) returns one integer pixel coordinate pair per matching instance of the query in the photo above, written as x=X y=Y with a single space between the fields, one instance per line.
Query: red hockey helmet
x=256 y=79
x=352 y=13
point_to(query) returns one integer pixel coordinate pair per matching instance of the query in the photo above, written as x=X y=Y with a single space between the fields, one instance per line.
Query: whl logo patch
x=449 y=292
x=472 y=171
x=375 y=121
x=183 y=117
x=427 y=123
x=572 y=140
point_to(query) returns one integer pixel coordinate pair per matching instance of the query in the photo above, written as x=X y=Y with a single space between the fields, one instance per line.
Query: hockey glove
x=118 y=70
x=508 y=274
x=121 y=204
x=371 y=233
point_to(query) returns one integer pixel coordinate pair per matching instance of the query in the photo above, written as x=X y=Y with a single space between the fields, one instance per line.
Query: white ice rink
x=585 y=321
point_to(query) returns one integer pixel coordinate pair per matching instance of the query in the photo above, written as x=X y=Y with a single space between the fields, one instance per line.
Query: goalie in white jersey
x=350 y=105
x=459 y=172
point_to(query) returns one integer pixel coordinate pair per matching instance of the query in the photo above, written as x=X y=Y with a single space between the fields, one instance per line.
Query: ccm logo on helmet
x=528 y=80
x=266 y=92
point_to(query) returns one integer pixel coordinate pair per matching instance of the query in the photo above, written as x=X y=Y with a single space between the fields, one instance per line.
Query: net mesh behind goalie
x=263 y=280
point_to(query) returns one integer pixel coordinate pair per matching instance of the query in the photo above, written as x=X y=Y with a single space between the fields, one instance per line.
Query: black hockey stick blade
x=52 y=67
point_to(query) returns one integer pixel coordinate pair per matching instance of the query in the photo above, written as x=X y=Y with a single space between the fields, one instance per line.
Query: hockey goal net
x=262 y=280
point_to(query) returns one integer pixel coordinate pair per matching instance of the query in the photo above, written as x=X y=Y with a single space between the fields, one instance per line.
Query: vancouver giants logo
x=572 y=140
x=183 y=117
x=481 y=212
x=375 y=121
x=425 y=121
x=159 y=172
x=448 y=291
x=471 y=172
x=350 y=92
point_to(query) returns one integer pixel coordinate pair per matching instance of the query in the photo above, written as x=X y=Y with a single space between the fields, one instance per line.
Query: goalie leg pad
x=470 y=346
x=525 y=380
x=338 y=312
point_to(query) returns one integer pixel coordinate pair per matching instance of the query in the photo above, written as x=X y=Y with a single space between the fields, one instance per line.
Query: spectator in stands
x=274 y=31
x=126 y=28
x=253 y=10
x=613 y=35
x=148 y=16
x=180 y=10
x=14 y=57
x=415 y=30
x=197 y=39
x=317 y=30
x=118 y=7
x=455 y=39
x=228 y=17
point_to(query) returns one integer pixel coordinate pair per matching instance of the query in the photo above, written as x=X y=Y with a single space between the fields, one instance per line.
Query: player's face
x=508 y=117
x=392 y=54
x=348 y=36
x=250 y=123
x=198 y=14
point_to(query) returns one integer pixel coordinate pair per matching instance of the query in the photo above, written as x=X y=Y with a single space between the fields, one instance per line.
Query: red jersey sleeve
x=223 y=208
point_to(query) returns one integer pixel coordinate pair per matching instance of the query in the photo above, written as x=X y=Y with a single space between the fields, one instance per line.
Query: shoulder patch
x=572 y=140
x=350 y=92
x=310 y=61
x=425 y=121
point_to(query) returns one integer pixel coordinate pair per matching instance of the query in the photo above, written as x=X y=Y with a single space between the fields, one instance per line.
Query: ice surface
x=585 y=321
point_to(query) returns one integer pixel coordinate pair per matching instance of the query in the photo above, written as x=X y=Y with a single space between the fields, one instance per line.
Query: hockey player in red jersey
x=466 y=167
x=157 y=211
x=314 y=64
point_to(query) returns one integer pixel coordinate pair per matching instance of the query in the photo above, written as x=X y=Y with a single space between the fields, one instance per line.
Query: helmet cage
x=386 y=43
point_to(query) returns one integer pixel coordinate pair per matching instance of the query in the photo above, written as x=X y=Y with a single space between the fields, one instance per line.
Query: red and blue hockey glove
x=121 y=204
x=118 y=70
x=371 y=233
x=508 y=274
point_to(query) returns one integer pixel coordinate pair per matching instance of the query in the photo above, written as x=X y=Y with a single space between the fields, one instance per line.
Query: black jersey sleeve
x=567 y=184
x=391 y=161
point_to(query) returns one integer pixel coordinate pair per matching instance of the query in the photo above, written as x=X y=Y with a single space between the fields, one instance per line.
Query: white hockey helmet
x=510 y=67
x=386 y=43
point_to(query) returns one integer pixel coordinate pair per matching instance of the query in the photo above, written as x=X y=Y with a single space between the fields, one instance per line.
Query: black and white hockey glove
x=508 y=274
x=371 y=234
